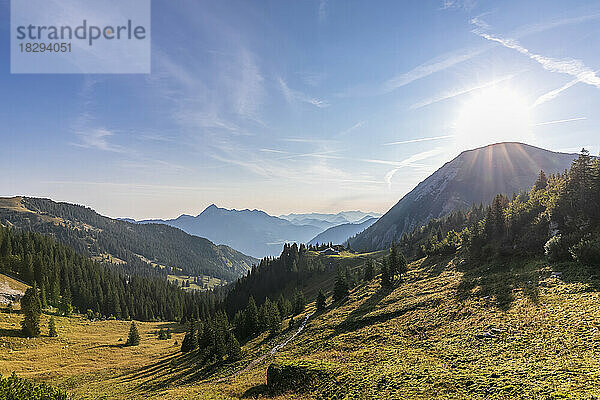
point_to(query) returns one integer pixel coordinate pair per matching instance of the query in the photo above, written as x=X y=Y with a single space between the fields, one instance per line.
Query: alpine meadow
x=300 y=200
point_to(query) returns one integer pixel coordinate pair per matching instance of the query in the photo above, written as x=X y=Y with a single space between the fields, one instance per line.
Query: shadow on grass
x=498 y=280
x=257 y=391
x=179 y=368
x=16 y=332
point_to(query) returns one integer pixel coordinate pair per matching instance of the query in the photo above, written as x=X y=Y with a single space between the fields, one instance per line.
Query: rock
x=496 y=331
x=484 y=335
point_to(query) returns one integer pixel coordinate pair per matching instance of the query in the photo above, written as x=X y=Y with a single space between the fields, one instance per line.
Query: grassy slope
x=11 y=283
x=416 y=341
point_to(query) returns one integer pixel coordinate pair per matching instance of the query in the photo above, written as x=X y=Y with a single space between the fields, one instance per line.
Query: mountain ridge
x=124 y=242
x=473 y=177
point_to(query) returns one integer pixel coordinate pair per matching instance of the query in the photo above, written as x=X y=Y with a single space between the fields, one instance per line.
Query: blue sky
x=300 y=106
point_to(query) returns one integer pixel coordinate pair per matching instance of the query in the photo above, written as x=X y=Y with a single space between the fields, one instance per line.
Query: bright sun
x=492 y=115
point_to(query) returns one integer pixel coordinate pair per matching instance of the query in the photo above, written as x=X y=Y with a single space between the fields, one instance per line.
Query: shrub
x=556 y=249
x=587 y=250
x=298 y=375
x=14 y=388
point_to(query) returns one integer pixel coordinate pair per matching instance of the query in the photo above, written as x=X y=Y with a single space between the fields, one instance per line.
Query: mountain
x=474 y=177
x=343 y=217
x=341 y=233
x=253 y=232
x=121 y=242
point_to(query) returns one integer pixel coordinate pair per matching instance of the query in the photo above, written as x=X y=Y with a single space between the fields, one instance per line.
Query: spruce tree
x=385 y=275
x=134 y=336
x=52 y=328
x=252 y=321
x=32 y=308
x=190 y=340
x=340 y=288
x=321 y=301
x=234 y=349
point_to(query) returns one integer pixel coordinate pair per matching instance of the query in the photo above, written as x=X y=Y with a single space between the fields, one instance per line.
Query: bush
x=298 y=375
x=587 y=250
x=13 y=388
x=556 y=249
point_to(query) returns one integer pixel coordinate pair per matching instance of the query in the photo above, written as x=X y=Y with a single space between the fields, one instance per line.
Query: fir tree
x=234 y=349
x=32 y=308
x=340 y=288
x=385 y=275
x=321 y=301
x=252 y=325
x=134 y=336
x=190 y=340
x=52 y=328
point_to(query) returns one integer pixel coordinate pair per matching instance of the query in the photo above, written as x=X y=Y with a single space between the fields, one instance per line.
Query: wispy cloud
x=426 y=139
x=573 y=67
x=323 y=5
x=430 y=67
x=560 y=121
x=467 y=5
x=273 y=151
x=98 y=139
x=458 y=92
x=354 y=127
x=551 y=95
x=412 y=160
x=292 y=95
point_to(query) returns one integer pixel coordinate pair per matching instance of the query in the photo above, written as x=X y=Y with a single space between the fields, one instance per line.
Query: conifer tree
x=369 y=270
x=65 y=303
x=190 y=340
x=340 y=288
x=52 y=328
x=32 y=308
x=234 y=349
x=321 y=301
x=134 y=336
x=252 y=324
x=385 y=275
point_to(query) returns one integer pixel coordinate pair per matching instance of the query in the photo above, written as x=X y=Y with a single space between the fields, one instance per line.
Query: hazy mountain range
x=257 y=233
x=339 y=234
x=474 y=177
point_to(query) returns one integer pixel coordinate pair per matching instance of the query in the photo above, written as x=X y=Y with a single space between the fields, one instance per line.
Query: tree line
x=69 y=281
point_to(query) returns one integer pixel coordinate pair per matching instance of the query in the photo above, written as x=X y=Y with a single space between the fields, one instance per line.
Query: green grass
x=417 y=340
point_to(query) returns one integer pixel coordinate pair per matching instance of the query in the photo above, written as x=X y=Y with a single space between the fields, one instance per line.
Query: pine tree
x=52 y=328
x=321 y=301
x=65 y=303
x=541 y=182
x=190 y=340
x=252 y=325
x=134 y=336
x=340 y=288
x=299 y=302
x=234 y=349
x=32 y=308
x=385 y=275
